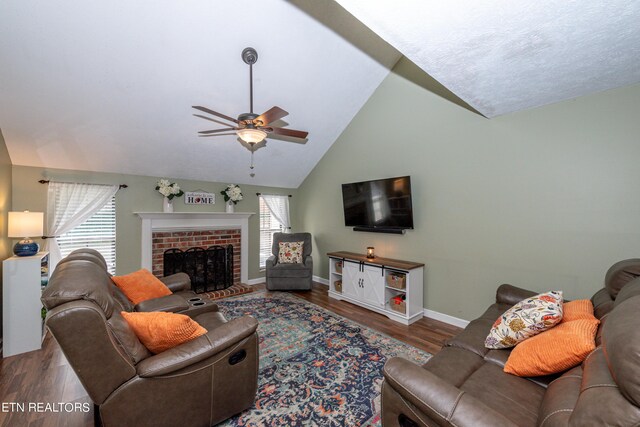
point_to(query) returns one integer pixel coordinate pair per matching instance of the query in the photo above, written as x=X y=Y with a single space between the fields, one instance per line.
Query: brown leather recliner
x=182 y=300
x=198 y=383
x=464 y=384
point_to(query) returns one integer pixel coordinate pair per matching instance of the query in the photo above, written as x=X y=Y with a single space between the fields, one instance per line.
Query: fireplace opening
x=209 y=269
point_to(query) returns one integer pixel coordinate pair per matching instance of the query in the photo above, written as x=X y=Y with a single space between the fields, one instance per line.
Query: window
x=98 y=232
x=268 y=225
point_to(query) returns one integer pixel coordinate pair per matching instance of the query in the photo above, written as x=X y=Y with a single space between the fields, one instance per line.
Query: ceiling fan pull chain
x=251 y=174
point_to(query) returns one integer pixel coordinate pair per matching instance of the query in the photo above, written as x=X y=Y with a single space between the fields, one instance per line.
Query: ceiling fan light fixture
x=251 y=136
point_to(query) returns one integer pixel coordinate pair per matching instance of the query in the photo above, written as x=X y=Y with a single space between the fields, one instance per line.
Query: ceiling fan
x=250 y=127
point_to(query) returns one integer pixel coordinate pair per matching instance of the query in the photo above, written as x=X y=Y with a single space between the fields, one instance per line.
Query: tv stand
x=387 y=286
x=380 y=230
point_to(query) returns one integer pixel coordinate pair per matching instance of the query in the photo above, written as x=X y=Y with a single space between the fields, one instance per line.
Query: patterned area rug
x=316 y=368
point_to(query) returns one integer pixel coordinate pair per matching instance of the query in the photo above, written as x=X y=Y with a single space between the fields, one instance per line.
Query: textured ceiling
x=108 y=86
x=502 y=56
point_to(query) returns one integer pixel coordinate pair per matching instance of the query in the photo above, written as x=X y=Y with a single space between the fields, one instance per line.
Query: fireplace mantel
x=160 y=221
x=193 y=215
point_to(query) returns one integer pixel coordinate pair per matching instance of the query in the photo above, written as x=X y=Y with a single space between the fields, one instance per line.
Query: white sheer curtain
x=279 y=207
x=69 y=205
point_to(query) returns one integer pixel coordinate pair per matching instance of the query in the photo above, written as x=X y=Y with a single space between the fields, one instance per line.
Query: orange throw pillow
x=578 y=309
x=556 y=350
x=160 y=331
x=141 y=285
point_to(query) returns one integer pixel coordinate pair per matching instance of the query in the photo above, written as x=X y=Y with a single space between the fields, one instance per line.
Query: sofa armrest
x=271 y=261
x=308 y=262
x=509 y=294
x=196 y=310
x=177 y=282
x=442 y=402
x=169 y=303
x=199 y=349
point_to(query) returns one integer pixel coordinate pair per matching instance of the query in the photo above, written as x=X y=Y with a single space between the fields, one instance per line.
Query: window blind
x=98 y=232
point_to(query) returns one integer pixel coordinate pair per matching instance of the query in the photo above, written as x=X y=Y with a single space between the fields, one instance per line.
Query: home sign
x=199 y=198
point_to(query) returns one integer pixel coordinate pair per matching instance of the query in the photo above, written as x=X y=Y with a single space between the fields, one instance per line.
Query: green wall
x=141 y=196
x=543 y=199
x=6 y=244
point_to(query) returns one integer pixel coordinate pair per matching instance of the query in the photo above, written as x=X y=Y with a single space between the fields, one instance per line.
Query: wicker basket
x=338 y=267
x=397 y=280
x=398 y=305
x=337 y=285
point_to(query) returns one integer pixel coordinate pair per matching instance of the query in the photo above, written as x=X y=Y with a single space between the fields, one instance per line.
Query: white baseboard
x=321 y=280
x=262 y=280
x=256 y=281
x=451 y=320
x=435 y=315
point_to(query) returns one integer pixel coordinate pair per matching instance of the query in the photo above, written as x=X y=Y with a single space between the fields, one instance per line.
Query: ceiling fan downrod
x=250 y=56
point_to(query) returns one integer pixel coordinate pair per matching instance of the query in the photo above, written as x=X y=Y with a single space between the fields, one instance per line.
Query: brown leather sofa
x=464 y=384
x=182 y=300
x=198 y=383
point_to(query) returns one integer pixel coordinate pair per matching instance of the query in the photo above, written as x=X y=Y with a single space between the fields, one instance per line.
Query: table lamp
x=25 y=225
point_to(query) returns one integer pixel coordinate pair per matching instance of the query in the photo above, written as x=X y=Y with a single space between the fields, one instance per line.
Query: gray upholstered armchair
x=288 y=277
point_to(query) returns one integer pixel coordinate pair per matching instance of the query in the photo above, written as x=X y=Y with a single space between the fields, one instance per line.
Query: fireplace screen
x=210 y=269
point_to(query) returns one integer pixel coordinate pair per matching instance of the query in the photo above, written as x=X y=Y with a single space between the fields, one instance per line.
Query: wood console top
x=386 y=262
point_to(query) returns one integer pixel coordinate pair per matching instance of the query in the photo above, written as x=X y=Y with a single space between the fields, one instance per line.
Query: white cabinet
x=22 y=281
x=390 y=287
x=351 y=280
x=372 y=285
x=363 y=282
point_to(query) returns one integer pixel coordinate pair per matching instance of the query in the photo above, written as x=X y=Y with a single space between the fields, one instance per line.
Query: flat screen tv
x=378 y=205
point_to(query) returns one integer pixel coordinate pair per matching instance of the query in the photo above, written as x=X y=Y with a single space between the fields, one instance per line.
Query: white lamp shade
x=251 y=135
x=25 y=224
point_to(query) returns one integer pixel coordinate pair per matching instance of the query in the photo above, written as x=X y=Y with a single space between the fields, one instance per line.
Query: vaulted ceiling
x=108 y=86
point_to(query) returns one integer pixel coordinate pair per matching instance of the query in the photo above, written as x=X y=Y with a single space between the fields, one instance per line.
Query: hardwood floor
x=41 y=377
x=426 y=334
x=44 y=376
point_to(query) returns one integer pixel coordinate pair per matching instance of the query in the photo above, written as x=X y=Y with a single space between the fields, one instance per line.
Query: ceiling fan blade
x=215 y=113
x=217 y=134
x=287 y=132
x=271 y=115
x=208 y=132
x=283 y=138
x=213 y=120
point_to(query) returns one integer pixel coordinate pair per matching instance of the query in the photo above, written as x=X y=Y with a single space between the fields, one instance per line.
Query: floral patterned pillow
x=290 y=252
x=527 y=318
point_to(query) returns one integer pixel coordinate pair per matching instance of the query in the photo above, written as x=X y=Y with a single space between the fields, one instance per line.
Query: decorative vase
x=230 y=206
x=167 y=206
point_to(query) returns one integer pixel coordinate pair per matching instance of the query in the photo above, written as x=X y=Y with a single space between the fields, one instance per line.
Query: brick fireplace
x=163 y=240
x=199 y=229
